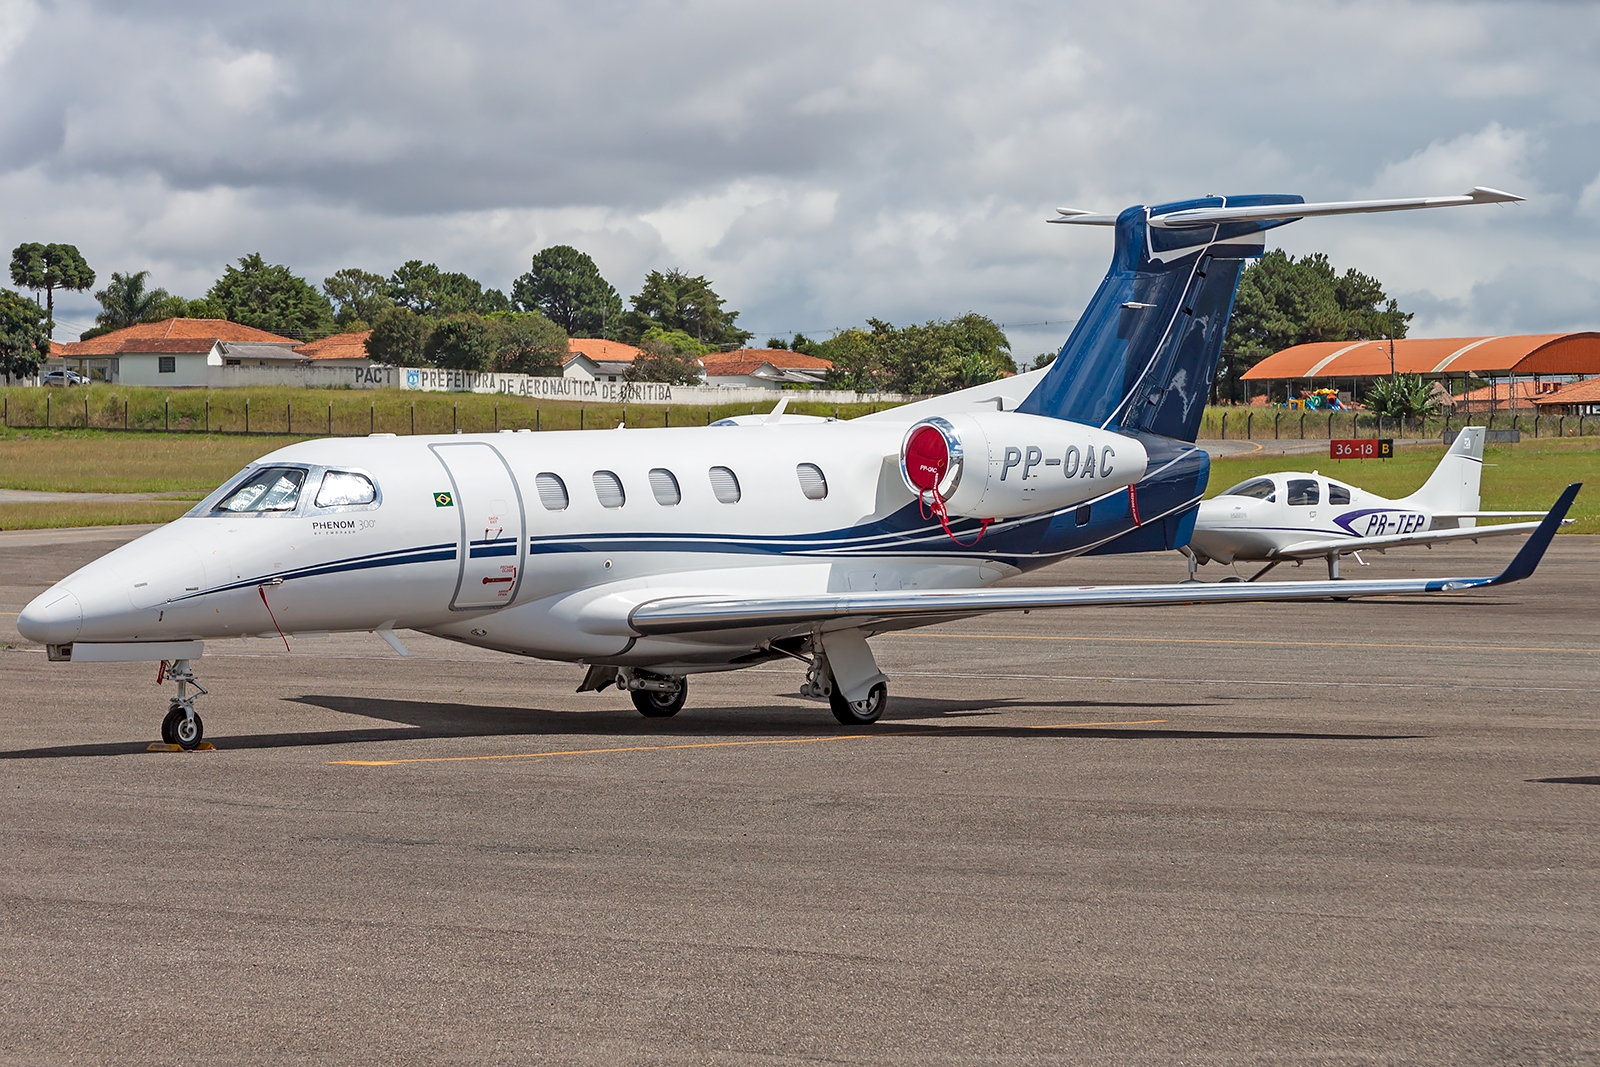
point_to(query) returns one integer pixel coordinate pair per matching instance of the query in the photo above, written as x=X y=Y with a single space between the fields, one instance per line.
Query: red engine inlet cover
x=927 y=458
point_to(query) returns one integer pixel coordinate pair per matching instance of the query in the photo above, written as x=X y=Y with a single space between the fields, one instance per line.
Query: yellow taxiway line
x=704 y=744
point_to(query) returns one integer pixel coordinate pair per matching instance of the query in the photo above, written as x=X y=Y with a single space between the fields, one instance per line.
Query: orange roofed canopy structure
x=1436 y=357
x=1510 y=358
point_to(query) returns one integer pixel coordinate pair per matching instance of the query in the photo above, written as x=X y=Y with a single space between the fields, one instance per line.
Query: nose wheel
x=182 y=726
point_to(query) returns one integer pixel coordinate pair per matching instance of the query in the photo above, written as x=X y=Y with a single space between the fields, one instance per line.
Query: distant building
x=338 y=350
x=176 y=352
x=763 y=368
x=1505 y=396
x=1579 y=398
x=597 y=360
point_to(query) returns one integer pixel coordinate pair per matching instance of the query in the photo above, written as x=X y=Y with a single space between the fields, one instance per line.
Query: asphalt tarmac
x=1356 y=833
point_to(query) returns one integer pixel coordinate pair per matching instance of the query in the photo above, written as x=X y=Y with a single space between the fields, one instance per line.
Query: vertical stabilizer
x=1452 y=488
x=1144 y=353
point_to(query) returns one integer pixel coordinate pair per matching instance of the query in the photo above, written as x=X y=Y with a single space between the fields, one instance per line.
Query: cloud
x=820 y=161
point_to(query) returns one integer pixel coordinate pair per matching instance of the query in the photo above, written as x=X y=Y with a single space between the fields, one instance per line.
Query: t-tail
x=1143 y=356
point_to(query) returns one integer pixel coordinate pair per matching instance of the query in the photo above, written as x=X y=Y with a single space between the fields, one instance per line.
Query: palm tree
x=126 y=302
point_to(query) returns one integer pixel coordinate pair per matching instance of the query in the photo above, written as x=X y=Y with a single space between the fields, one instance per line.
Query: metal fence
x=1246 y=424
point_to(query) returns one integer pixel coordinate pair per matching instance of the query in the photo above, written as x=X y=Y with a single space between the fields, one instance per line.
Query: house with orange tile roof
x=595 y=359
x=1505 y=396
x=338 y=350
x=176 y=352
x=763 y=368
x=1578 y=398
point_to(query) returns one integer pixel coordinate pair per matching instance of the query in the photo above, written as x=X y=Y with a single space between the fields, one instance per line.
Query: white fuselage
x=1280 y=511
x=520 y=541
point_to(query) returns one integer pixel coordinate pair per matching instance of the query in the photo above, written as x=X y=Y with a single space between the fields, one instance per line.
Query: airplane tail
x=1144 y=353
x=1453 y=485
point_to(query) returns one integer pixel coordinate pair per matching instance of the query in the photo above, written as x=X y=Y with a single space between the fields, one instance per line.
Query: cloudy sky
x=820 y=161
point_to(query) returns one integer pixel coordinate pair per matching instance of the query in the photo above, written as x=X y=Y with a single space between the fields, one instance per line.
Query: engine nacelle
x=1003 y=465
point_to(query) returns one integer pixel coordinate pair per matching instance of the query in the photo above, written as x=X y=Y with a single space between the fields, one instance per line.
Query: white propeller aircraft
x=1294 y=516
x=650 y=555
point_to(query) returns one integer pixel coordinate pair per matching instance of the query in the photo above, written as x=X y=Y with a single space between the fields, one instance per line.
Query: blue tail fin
x=1143 y=355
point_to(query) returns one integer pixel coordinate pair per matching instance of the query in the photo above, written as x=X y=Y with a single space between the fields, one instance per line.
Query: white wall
x=141 y=368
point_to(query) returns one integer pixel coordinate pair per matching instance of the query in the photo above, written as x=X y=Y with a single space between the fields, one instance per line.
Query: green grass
x=1520 y=477
x=50 y=515
x=75 y=461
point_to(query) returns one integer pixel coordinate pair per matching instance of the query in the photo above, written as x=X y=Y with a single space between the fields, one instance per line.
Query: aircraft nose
x=52 y=618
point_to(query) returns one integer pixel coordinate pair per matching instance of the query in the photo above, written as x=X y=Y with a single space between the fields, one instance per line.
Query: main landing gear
x=657 y=696
x=181 y=727
x=872 y=690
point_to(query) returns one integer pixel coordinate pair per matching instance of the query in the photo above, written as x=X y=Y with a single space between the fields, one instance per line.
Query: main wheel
x=187 y=731
x=168 y=724
x=654 y=704
x=859 y=712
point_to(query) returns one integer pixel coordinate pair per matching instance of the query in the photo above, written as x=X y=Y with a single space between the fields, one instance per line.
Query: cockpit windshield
x=1259 y=489
x=267 y=489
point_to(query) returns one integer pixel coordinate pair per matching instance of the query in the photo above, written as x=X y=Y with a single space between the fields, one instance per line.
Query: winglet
x=1532 y=551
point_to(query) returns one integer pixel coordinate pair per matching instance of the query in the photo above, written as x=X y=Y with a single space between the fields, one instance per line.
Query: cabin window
x=608 y=487
x=166 y=364
x=1259 y=489
x=665 y=487
x=552 y=491
x=1303 y=492
x=1338 y=494
x=725 y=485
x=267 y=489
x=812 y=482
x=341 y=488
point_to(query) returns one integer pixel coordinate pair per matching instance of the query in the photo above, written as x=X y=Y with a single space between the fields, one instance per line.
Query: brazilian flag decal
x=443 y=500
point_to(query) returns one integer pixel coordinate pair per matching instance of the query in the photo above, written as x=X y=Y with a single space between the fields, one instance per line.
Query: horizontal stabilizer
x=1212 y=216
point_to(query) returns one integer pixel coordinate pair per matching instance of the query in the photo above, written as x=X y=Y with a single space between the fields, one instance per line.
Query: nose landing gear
x=181 y=727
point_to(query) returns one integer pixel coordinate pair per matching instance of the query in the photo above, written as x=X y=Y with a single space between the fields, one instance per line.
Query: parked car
x=63 y=376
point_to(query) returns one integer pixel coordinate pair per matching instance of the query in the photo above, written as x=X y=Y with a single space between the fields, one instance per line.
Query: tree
x=399 y=338
x=1284 y=302
x=126 y=302
x=359 y=296
x=270 y=297
x=676 y=340
x=526 y=343
x=675 y=301
x=659 y=361
x=565 y=285
x=778 y=343
x=1043 y=359
x=48 y=268
x=1402 y=396
x=24 y=336
x=460 y=342
x=427 y=290
x=935 y=357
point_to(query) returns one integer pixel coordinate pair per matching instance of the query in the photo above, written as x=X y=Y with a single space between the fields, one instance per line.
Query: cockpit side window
x=1303 y=492
x=343 y=488
x=265 y=490
x=1338 y=494
x=1259 y=489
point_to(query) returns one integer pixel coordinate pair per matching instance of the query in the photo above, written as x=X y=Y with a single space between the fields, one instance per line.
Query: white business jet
x=649 y=555
x=1294 y=516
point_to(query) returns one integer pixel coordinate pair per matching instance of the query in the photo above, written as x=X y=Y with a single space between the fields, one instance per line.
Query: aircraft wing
x=1319 y=548
x=692 y=614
